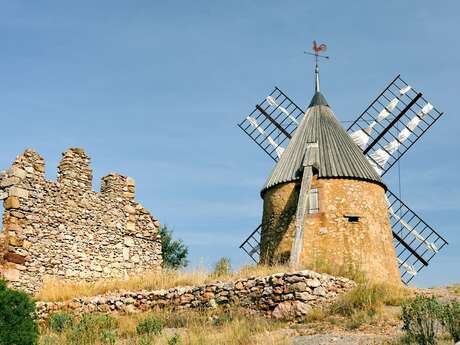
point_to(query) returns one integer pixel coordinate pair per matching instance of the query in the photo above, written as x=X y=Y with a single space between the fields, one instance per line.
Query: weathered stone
x=26 y=244
x=126 y=253
x=18 y=192
x=129 y=209
x=11 y=202
x=11 y=274
x=300 y=286
x=304 y=296
x=129 y=241
x=17 y=172
x=319 y=291
x=9 y=181
x=313 y=283
x=290 y=310
x=16 y=258
x=14 y=241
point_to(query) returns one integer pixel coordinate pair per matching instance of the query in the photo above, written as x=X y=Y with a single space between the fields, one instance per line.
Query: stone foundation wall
x=281 y=295
x=330 y=239
x=66 y=230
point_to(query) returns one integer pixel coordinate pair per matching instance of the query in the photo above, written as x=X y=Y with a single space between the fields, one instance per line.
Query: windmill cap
x=339 y=156
x=318 y=99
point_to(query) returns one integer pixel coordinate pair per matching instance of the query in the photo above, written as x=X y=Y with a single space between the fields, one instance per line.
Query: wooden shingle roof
x=339 y=156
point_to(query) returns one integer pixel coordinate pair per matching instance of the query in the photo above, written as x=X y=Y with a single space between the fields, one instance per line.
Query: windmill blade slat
x=277 y=117
x=392 y=123
x=414 y=239
x=251 y=245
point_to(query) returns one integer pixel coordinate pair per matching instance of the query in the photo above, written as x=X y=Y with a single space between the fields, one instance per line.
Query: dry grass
x=216 y=327
x=454 y=289
x=59 y=290
x=370 y=298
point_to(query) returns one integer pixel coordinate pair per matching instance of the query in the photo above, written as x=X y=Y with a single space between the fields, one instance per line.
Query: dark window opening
x=352 y=218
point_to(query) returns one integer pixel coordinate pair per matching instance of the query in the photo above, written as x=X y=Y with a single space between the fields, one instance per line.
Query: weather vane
x=317 y=49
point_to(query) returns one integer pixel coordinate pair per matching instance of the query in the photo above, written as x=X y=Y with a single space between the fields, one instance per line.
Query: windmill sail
x=272 y=123
x=416 y=242
x=361 y=136
x=392 y=123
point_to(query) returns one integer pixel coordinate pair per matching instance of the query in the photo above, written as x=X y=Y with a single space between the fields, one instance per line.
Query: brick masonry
x=281 y=295
x=66 y=230
x=329 y=238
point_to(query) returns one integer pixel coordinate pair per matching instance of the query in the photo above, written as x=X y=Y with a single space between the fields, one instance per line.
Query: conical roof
x=339 y=156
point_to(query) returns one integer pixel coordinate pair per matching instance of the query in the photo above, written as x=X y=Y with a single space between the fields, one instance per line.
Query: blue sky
x=154 y=89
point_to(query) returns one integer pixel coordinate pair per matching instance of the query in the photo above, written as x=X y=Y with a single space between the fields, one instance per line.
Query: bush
x=17 y=317
x=175 y=340
x=93 y=327
x=150 y=326
x=174 y=252
x=223 y=267
x=450 y=319
x=58 y=322
x=421 y=319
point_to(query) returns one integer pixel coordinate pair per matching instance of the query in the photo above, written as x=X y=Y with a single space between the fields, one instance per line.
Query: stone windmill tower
x=324 y=202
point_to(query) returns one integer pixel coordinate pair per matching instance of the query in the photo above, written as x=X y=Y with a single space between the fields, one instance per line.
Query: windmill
x=325 y=199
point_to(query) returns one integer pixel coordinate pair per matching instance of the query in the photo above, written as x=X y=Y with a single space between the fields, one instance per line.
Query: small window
x=313 y=204
x=352 y=218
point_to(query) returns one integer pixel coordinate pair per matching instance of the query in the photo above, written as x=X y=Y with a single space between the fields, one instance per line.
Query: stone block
x=135 y=258
x=9 y=181
x=16 y=258
x=13 y=227
x=11 y=202
x=128 y=195
x=129 y=209
x=126 y=253
x=17 y=172
x=15 y=242
x=11 y=274
x=129 y=241
x=18 y=192
x=39 y=167
x=130 y=226
x=130 y=181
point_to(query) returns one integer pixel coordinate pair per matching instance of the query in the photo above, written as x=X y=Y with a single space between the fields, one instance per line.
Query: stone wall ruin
x=66 y=230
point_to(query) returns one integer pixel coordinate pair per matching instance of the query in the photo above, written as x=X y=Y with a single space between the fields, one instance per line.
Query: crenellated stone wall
x=66 y=230
x=280 y=295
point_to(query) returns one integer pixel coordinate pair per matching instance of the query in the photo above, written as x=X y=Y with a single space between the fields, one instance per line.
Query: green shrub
x=174 y=252
x=17 y=317
x=175 y=340
x=451 y=319
x=222 y=267
x=421 y=320
x=150 y=326
x=91 y=328
x=59 y=321
x=145 y=341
